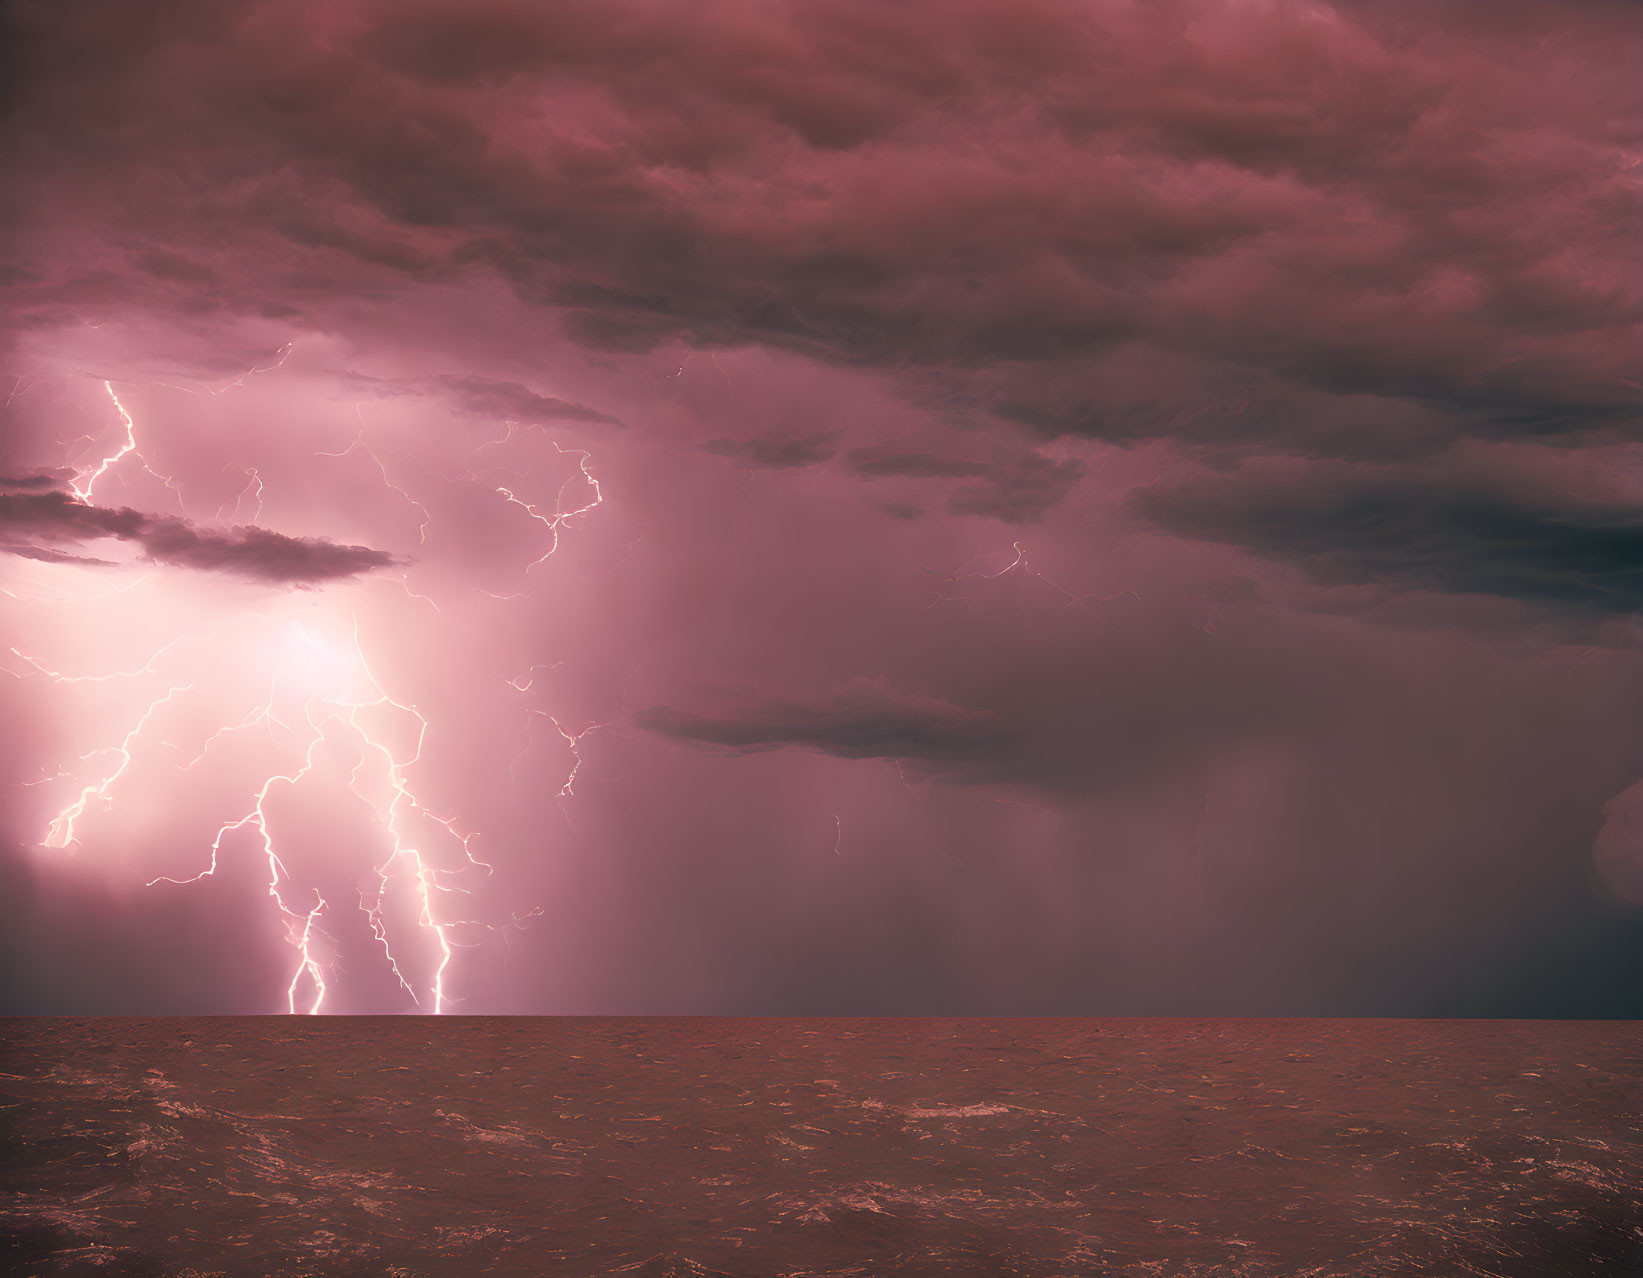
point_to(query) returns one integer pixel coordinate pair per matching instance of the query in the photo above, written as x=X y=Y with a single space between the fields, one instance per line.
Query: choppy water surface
x=819 y=1147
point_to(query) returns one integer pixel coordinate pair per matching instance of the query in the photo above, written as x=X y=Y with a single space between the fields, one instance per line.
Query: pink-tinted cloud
x=1301 y=199
x=487 y=399
x=776 y=449
x=256 y=554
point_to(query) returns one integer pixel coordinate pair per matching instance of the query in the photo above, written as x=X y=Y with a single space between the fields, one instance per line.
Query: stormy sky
x=986 y=508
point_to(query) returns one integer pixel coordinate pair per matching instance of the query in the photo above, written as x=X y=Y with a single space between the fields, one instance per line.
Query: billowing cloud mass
x=1401 y=531
x=1030 y=507
x=775 y=450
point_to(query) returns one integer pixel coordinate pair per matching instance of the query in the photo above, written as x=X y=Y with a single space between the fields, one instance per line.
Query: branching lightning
x=553 y=522
x=252 y=489
x=57 y=676
x=86 y=480
x=1018 y=564
x=62 y=831
x=426 y=852
x=359 y=446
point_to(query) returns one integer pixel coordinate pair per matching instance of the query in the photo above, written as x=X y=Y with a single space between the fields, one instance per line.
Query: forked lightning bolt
x=383 y=777
x=86 y=480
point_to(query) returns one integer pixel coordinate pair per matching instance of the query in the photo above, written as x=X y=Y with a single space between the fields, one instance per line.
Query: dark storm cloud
x=1290 y=202
x=777 y=449
x=1408 y=533
x=1019 y=686
x=485 y=399
x=45 y=555
x=256 y=554
x=869 y=721
x=1019 y=489
x=510 y=401
x=888 y=463
x=1015 y=487
x=34 y=483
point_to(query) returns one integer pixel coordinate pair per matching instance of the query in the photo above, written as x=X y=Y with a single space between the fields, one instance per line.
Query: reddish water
x=821 y=1147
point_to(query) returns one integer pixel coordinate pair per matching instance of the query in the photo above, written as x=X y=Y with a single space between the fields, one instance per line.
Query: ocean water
x=677 y=1146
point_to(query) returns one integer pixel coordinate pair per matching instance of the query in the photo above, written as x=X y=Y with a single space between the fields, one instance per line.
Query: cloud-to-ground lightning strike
x=309 y=965
x=319 y=712
x=63 y=830
x=401 y=802
x=382 y=777
x=299 y=926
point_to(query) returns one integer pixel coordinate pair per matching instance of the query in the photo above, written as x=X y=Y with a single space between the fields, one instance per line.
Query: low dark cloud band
x=256 y=554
